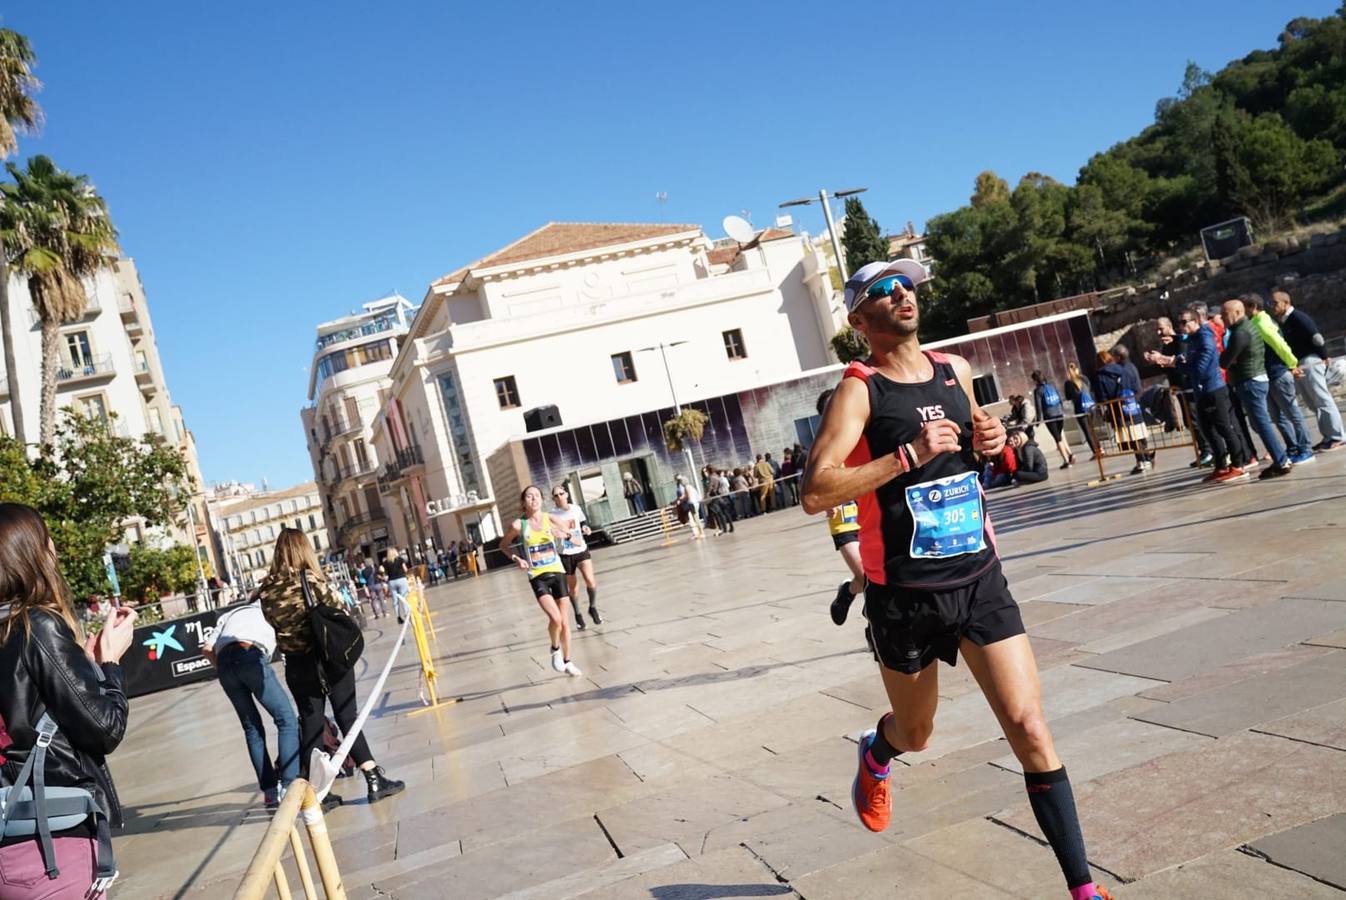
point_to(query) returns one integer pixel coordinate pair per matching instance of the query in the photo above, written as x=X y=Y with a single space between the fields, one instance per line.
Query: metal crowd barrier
x=1114 y=433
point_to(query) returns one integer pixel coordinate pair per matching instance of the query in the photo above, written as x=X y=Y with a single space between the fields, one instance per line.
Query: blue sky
x=273 y=165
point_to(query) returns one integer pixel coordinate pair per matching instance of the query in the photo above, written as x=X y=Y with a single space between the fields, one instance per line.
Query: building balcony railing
x=335 y=428
x=355 y=470
x=410 y=456
x=405 y=459
x=357 y=521
x=377 y=326
x=98 y=367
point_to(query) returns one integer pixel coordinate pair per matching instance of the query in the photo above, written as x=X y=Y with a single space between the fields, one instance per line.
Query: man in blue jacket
x=1200 y=360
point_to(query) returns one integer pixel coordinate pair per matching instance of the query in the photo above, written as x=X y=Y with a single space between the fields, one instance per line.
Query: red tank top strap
x=936 y=357
x=857 y=369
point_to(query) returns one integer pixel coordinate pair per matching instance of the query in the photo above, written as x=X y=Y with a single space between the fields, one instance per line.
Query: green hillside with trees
x=1263 y=137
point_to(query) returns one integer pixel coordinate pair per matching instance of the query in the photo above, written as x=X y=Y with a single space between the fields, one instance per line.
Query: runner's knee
x=1028 y=728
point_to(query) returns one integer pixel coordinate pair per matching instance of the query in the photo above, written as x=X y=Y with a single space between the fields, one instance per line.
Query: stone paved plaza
x=1192 y=641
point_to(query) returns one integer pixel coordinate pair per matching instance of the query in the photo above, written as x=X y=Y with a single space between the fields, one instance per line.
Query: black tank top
x=954 y=543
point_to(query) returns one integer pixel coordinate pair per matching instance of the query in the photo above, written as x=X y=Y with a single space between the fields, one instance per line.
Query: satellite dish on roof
x=739 y=228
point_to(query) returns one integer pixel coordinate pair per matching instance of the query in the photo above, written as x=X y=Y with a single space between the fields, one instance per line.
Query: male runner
x=899 y=434
x=843 y=523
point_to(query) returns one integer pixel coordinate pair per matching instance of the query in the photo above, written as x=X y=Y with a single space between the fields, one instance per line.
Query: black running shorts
x=1055 y=427
x=846 y=537
x=553 y=583
x=911 y=628
x=572 y=561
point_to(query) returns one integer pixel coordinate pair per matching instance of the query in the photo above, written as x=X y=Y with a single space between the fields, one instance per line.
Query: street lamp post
x=823 y=197
x=677 y=407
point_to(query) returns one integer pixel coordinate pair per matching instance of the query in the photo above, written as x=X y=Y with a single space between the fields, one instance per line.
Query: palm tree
x=17 y=109
x=56 y=231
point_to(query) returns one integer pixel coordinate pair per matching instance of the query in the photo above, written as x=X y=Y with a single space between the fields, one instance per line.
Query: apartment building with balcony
x=109 y=363
x=565 y=326
x=352 y=358
x=247 y=528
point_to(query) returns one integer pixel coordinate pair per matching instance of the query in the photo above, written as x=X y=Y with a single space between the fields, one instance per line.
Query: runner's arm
x=988 y=432
x=827 y=483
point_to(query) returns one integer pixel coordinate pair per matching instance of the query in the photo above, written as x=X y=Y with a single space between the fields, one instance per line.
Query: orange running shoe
x=869 y=792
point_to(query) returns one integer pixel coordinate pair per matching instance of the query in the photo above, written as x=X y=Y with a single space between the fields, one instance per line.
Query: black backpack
x=337 y=638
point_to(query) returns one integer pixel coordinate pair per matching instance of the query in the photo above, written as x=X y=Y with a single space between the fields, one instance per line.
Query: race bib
x=947 y=517
x=540 y=555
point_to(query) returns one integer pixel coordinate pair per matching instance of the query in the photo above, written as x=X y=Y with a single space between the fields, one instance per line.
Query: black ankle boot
x=593 y=614
x=380 y=785
x=330 y=802
x=579 y=621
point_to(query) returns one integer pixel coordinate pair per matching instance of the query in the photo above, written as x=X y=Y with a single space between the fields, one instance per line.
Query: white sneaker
x=572 y=670
x=557 y=662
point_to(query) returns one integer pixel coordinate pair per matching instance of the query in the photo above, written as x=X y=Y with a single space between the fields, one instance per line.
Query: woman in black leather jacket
x=46 y=668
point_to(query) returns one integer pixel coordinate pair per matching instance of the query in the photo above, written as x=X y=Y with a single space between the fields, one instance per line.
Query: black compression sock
x=1054 y=807
x=593 y=595
x=882 y=751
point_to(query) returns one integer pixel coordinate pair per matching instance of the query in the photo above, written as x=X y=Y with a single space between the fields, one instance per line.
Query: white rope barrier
x=322 y=767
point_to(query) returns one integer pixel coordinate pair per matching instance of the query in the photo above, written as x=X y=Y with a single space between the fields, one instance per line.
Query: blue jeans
x=245 y=675
x=1290 y=421
x=400 y=589
x=1254 y=397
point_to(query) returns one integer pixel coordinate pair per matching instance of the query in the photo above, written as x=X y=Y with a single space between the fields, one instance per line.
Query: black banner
x=167 y=654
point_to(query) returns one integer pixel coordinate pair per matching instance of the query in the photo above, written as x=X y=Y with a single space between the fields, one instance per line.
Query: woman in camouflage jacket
x=282 y=596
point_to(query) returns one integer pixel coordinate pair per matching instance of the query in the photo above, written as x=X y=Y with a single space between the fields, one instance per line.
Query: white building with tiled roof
x=571 y=316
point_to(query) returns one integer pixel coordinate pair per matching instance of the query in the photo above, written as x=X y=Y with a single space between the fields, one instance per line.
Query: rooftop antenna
x=661 y=197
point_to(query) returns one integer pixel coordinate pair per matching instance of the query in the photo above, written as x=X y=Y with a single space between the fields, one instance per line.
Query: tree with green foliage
x=863 y=240
x=56 y=233
x=849 y=345
x=1263 y=137
x=1268 y=171
x=690 y=424
x=156 y=572
x=88 y=489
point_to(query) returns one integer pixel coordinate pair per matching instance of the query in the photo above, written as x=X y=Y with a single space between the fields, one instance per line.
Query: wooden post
x=282 y=884
x=262 y=870
x=321 y=842
x=301 y=863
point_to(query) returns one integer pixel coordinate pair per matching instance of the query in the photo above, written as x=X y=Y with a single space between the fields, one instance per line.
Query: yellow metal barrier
x=421 y=626
x=1114 y=433
x=267 y=868
x=667 y=522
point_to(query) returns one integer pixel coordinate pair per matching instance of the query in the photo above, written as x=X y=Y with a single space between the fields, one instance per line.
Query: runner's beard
x=905 y=327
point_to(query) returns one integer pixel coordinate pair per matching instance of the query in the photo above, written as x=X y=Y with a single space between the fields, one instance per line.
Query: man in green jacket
x=1283 y=369
x=1244 y=358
